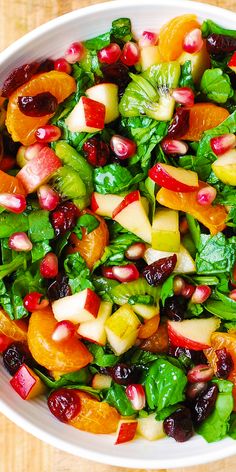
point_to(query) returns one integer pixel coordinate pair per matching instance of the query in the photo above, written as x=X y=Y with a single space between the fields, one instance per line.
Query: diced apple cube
x=193 y=334
x=27 y=384
x=94 y=330
x=150 y=56
x=101 y=381
x=77 y=308
x=225 y=167
x=126 y=431
x=122 y=329
x=88 y=116
x=150 y=428
x=165 y=230
x=107 y=94
x=104 y=205
x=39 y=170
x=185 y=263
x=145 y=311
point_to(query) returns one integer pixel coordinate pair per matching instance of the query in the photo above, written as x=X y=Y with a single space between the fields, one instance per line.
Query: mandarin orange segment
x=16 y=330
x=95 y=417
x=64 y=356
x=204 y=116
x=172 y=35
x=22 y=127
x=157 y=342
x=213 y=217
x=149 y=327
x=10 y=184
x=92 y=245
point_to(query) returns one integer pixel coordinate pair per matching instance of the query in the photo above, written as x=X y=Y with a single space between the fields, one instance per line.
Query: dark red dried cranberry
x=179 y=425
x=64 y=218
x=64 y=404
x=38 y=105
x=15 y=355
x=157 y=272
x=46 y=66
x=124 y=374
x=195 y=389
x=196 y=357
x=175 y=308
x=118 y=74
x=203 y=405
x=18 y=77
x=180 y=123
x=96 y=152
x=220 y=44
x=58 y=288
x=224 y=363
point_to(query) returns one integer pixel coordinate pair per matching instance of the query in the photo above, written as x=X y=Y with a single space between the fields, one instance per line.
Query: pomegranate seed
x=64 y=218
x=125 y=273
x=136 y=395
x=48 y=134
x=194 y=389
x=15 y=203
x=122 y=147
x=64 y=404
x=48 y=198
x=200 y=373
x=178 y=285
x=232 y=295
x=32 y=302
x=174 y=146
x=33 y=151
x=184 y=96
x=74 y=53
x=49 y=266
x=7 y=163
x=222 y=144
x=183 y=226
x=201 y=294
x=109 y=54
x=4 y=342
x=188 y=290
x=108 y=272
x=20 y=242
x=135 y=251
x=63 y=331
x=148 y=38
x=206 y=195
x=193 y=41
x=61 y=65
x=130 y=54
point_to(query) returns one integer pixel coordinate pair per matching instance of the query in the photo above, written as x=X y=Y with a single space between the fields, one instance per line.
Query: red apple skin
x=164 y=179
x=4 y=342
x=126 y=432
x=130 y=198
x=39 y=169
x=26 y=383
x=94 y=113
x=94 y=204
x=92 y=302
x=232 y=62
x=180 y=341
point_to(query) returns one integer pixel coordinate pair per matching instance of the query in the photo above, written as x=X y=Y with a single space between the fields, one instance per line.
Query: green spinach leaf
x=216 y=85
x=78 y=273
x=116 y=397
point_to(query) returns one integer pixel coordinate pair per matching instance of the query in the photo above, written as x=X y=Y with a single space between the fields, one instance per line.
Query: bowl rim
x=28 y=425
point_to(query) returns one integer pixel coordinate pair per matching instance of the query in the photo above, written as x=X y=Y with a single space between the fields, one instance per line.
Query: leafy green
x=143 y=299
x=221 y=305
x=112 y=179
x=98 y=42
x=194 y=229
x=40 y=228
x=81 y=376
x=116 y=397
x=103 y=287
x=186 y=78
x=87 y=221
x=77 y=272
x=216 y=85
x=39 y=250
x=216 y=254
x=232 y=427
x=6 y=253
x=167 y=288
x=16 y=263
x=102 y=357
x=114 y=254
x=209 y=27
x=143 y=358
x=163 y=414
x=12 y=223
x=148 y=190
x=121 y=29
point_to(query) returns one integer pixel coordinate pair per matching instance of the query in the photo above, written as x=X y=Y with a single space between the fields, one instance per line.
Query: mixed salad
x=118 y=232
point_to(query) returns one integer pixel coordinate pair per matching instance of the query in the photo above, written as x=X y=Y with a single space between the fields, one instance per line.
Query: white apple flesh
x=150 y=56
x=225 y=167
x=192 y=334
x=94 y=330
x=108 y=95
x=87 y=116
x=150 y=428
x=77 y=308
x=174 y=178
x=122 y=329
x=165 y=230
x=185 y=263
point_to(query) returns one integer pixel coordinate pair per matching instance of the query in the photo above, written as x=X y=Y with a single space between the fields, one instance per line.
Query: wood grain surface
x=19 y=451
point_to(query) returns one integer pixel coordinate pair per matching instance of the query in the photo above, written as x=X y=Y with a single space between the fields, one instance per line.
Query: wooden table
x=19 y=451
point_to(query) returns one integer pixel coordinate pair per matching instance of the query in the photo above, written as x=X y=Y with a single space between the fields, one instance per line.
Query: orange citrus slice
x=204 y=116
x=172 y=35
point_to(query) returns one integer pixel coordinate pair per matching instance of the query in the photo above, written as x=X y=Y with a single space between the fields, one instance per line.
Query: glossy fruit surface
x=172 y=35
x=64 y=404
x=22 y=127
x=149 y=327
x=179 y=425
x=204 y=116
x=14 y=356
x=158 y=342
x=10 y=184
x=16 y=330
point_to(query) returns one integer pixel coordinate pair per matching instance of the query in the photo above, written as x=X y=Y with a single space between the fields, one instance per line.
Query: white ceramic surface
x=51 y=40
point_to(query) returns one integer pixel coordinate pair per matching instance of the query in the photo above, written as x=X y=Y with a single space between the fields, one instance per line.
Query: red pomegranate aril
x=178 y=285
x=47 y=134
x=63 y=331
x=136 y=395
x=188 y=290
x=64 y=404
x=20 y=242
x=201 y=294
x=33 y=302
x=33 y=150
x=49 y=266
x=7 y=163
x=64 y=218
x=135 y=251
x=97 y=152
x=206 y=195
x=130 y=54
x=74 y=53
x=122 y=147
x=61 y=65
x=13 y=202
x=200 y=373
x=193 y=41
x=4 y=342
x=18 y=77
x=195 y=389
x=48 y=198
x=148 y=38
x=109 y=54
x=184 y=96
x=221 y=144
x=125 y=273
x=174 y=146
x=232 y=295
x=108 y=272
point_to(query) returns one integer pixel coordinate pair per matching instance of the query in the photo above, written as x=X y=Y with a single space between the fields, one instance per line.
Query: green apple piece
x=145 y=204
x=200 y=62
x=149 y=56
x=185 y=263
x=122 y=329
x=225 y=167
x=145 y=311
x=108 y=95
x=165 y=230
x=150 y=428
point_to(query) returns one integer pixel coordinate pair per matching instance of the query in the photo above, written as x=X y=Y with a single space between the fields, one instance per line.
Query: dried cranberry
x=203 y=405
x=179 y=425
x=124 y=374
x=38 y=105
x=180 y=123
x=195 y=389
x=64 y=404
x=118 y=74
x=15 y=355
x=196 y=357
x=59 y=288
x=224 y=363
x=46 y=66
x=157 y=272
x=96 y=152
x=175 y=308
x=64 y=217
x=18 y=77
x=220 y=44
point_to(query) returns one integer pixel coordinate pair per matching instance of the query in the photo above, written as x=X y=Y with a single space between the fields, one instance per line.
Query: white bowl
x=51 y=40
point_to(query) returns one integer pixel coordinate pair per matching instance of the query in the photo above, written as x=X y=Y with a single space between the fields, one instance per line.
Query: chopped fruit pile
x=118 y=232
